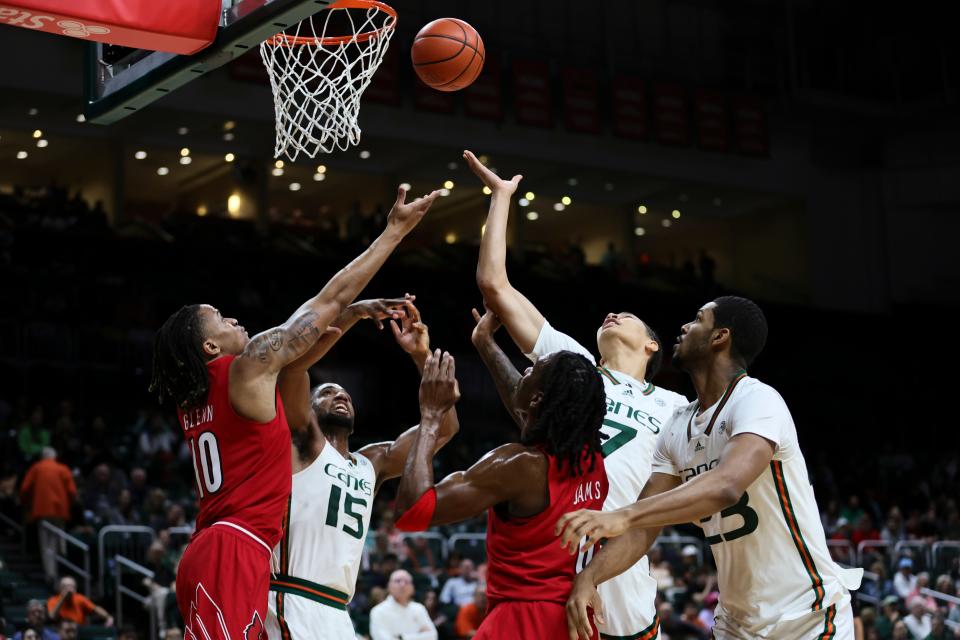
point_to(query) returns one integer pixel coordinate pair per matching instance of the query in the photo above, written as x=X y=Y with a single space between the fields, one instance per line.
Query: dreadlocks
x=573 y=407
x=179 y=368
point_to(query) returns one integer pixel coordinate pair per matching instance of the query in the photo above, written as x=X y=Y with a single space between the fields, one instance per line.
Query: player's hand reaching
x=438 y=386
x=592 y=525
x=411 y=334
x=489 y=178
x=379 y=309
x=487 y=325
x=583 y=604
x=404 y=215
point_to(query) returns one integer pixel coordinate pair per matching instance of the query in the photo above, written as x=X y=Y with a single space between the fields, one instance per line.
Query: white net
x=319 y=71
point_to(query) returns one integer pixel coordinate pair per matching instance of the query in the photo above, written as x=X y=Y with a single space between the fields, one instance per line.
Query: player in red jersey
x=236 y=419
x=556 y=468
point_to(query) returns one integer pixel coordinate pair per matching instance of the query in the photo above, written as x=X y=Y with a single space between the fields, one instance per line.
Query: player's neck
x=339 y=439
x=629 y=363
x=713 y=380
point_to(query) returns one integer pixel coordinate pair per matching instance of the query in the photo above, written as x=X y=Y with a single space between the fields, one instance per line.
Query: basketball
x=448 y=54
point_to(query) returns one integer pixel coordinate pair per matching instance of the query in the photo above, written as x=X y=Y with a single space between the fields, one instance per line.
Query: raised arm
x=742 y=461
x=389 y=458
x=611 y=560
x=505 y=375
x=253 y=374
x=522 y=320
x=294 y=381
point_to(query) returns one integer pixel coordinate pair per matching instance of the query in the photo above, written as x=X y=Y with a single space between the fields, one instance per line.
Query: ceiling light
x=33 y=111
x=523 y=202
x=639 y=231
x=186 y=160
x=81 y=117
x=450 y=238
x=486 y=190
x=37 y=133
x=21 y=155
x=233 y=204
x=448 y=184
x=183 y=131
x=162 y=171
x=140 y=155
x=184 y=152
x=676 y=214
x=364 y=154
x=572 y=182
x=228 y=125
x=529 y=195
x=322 y=168
x=41 y=143
x=666 y=222
x=532 y=215
x=202 y=210
x=405 y=186
x=558 y=206
x=294 y=186
x=277 y=172
x=319 y=177
x=642 y=209
x=566 y=201
x=278 y=164
x=452 y=166
x=484 y=159
x=228 y=136
x=229 y=157
x=444 y=192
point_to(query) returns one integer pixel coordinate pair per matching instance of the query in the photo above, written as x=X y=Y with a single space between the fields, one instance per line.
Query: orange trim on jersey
x=292 y=587
x=776 y=468
x=829 y=626
x=605 y=372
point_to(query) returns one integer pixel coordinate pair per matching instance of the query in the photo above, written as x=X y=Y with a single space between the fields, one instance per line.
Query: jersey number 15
x=333 y=512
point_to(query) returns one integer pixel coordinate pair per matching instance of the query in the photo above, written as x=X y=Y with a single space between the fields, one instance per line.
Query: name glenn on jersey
x=349 y=481
x=642 y=418
x=196 y=417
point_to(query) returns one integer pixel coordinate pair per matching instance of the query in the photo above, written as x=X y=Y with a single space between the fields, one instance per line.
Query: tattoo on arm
x=299 y=337
x=505 y=375
x=304 y=333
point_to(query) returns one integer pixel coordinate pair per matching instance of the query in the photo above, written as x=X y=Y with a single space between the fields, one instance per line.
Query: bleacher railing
x=65 y=540
x=124 y=544
x=120 y=563
x=922 y=552
x=430 y=536
x=18 y=529
x=938 y=549
x=869 y=544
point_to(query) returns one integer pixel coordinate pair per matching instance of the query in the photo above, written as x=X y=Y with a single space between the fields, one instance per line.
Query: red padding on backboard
x=176 y=26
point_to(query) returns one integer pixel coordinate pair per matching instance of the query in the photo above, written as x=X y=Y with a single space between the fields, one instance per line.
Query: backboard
x=121 y=81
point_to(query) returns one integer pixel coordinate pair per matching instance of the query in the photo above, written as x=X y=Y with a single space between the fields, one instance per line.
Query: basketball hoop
x=317 y=79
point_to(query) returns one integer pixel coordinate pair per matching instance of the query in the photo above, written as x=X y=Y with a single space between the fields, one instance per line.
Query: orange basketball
x=448 y=54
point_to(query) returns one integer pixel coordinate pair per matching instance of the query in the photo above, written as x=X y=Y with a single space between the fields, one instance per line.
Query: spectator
x=709 y=606
x=674 y=627
x=864 y=531
x=889 y=616
x=399 y=616
x=138 y=487
x=432 y=604
x=36 y=619
x=70 y=605
x=882 y=586
x=459 y=589
x=893 y=530
x=420 y=557
x=923 y=582
x=471 y=614
x=33 y=437
x=158 y=440
x=938 y=629
x=48 y=491
x=154 y=511
x=853 y=511
x=904 y=581
x=900 y=631
x=918 y=622
x=660 y=569
x=67 y=630
x=690 y=616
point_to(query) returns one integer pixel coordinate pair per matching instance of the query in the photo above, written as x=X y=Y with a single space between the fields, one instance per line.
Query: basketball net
x=317 y=79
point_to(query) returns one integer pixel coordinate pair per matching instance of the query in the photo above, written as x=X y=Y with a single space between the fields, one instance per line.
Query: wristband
x=419 y=515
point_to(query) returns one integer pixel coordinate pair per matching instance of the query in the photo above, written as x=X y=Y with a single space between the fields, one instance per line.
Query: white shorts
x=833 y=623
x=629 y=604
x=306 y=619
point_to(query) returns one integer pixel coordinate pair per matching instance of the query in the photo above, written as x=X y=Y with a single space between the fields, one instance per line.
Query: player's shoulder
x=670 y=397
x=754 y=390
x=677 y=421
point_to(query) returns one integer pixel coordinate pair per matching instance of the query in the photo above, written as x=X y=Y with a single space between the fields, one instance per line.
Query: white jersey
x=322 y=545
x=773 y=565
x=637 y=411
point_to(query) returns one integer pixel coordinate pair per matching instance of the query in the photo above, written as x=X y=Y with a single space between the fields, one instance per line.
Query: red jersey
x=242 y=468
x=526 y=561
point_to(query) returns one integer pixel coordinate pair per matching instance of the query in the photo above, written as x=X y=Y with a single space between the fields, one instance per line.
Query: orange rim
x=284 y=40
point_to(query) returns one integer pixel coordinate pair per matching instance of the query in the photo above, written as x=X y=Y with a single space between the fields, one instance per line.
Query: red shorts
x=222 y=586
x=525 y=621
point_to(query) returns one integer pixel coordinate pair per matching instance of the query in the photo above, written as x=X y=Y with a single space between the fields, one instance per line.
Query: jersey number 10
x=333 y=512
x=205 y=452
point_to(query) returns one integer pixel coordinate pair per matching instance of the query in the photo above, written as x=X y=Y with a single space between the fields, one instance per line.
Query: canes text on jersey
x=349 y=481
x=642 y=418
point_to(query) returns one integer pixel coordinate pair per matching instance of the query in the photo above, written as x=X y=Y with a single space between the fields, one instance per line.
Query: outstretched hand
x=411 y=334
x=380 y=309
x=405 y=216
x=438 y=386
x=590 y=526
x=487 y=325
x=489 y=178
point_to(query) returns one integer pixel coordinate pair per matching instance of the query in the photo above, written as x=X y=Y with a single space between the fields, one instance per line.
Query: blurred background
x=802 y=153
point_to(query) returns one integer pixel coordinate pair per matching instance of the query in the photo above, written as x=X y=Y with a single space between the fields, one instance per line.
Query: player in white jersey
x=332 y=496
x=731 y=462
x=637 y=410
